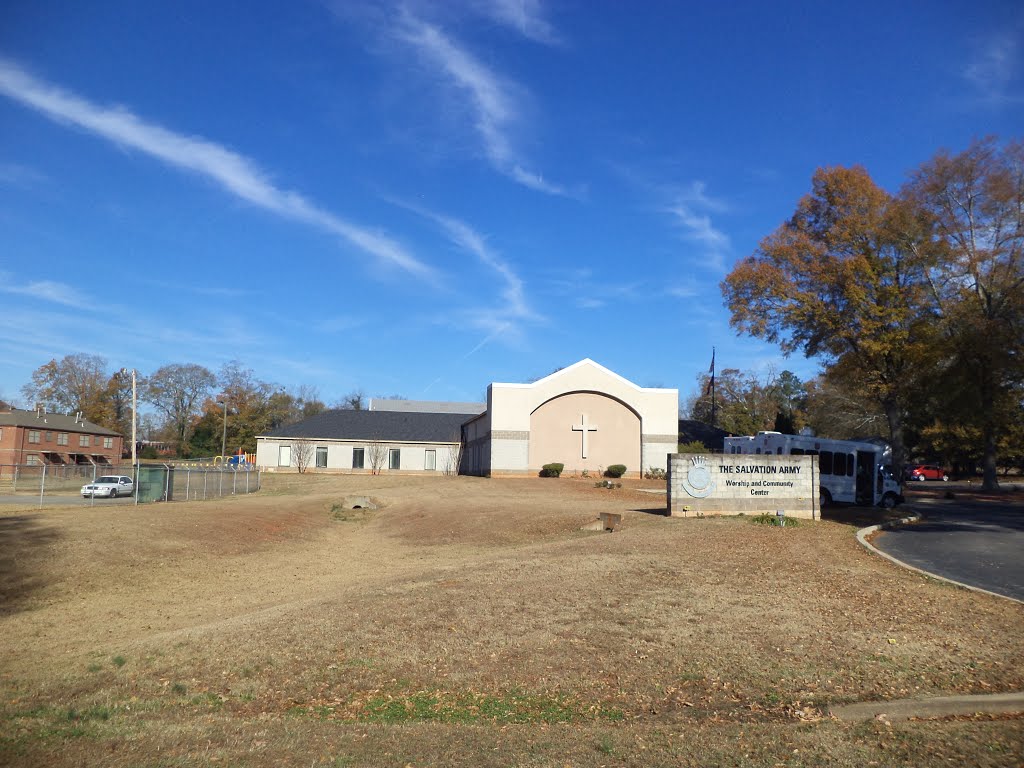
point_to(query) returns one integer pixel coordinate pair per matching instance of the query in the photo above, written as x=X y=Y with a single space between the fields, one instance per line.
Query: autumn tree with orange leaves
x=845 y=280
x=921 y=292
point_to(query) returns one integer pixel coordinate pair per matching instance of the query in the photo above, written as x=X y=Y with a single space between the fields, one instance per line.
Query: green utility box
x=156 y=483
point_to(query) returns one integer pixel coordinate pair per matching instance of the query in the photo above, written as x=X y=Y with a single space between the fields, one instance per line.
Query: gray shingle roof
x=57 y=422
x=388 y=426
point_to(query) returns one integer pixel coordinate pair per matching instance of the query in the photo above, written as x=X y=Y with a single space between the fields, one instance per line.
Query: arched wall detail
x=612 y=434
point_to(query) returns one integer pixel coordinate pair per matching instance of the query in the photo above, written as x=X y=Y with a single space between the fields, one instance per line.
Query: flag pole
x=713 y=409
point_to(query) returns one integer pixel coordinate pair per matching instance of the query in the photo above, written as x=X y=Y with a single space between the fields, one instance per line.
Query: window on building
x=96 y=441
x=62 y=438
x=108 y=442
x=83 y=441
x=358 y=457
x=32 y=460
x=395 y=458
x=33 y=435
x=284 y=456
x=49 y=437
x=321 y=456
x=430 y=460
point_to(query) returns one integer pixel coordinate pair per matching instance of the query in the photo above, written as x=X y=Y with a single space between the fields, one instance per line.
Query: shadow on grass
x=23 y=544
x=659 y=511
x=861 y=517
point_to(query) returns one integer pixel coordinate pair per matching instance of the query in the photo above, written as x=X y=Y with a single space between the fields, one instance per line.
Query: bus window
x=825 y=463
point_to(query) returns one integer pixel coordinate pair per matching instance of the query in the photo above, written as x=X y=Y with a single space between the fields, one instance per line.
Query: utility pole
x=224 y=434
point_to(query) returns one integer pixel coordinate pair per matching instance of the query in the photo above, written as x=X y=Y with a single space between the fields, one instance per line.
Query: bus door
x=865 y=477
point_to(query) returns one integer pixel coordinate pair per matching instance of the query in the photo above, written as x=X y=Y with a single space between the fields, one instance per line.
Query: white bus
x=850 y=471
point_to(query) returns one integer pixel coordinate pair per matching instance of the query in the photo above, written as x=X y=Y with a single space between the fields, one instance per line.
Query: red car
x=924 y=472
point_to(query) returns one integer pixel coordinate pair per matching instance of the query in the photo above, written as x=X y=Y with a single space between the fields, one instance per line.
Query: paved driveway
x=77 y=500
x=975 y=543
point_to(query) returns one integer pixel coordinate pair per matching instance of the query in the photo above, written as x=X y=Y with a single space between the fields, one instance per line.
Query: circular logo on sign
x=698 y=482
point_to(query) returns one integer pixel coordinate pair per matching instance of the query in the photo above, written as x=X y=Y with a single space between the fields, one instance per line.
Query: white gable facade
x=584 y=416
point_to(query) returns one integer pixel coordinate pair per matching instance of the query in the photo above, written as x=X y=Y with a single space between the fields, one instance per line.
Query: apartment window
x=32 y=460
x=62 y=438
x=96 y=441
x=284 y=456
x=321 y=456
x=430 y=460
x=358 y=457
x=395 y=458
x=83 y=441
x=49 y=437
x=33 y=435
x=108 y=442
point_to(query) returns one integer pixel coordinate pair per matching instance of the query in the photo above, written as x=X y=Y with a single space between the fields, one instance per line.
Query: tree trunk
x=989 y=479
x=894 y=415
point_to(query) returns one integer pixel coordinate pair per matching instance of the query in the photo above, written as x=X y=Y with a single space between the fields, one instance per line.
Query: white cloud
x=491 y=98
x=696 y=195
x=465 y=237
x=995 y=66
x=233 y=172
x=698 y=227
x=690 y=210
x=46 y=290
x=23 y=176
x=525 y=16
x=683 y=290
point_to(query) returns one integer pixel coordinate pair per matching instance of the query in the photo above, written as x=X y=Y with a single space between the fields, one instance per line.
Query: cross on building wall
x=584 y=428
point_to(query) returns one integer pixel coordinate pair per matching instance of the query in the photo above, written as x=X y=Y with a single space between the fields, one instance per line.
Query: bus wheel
x=888 y=501
x=826 y=497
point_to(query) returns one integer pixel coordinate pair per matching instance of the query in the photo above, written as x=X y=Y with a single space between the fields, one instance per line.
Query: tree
x=745 y=406
x=74 y=383
x=353 y=401
x=377 y=453
x=453 y=461
x=308 y=401
x=840 y=409
x=974 y=201
x=845 y=280
x=176 y=390
x=118 y=396
x=302 y=453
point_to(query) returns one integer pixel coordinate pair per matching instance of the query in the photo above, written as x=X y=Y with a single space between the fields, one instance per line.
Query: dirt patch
x=468 y=615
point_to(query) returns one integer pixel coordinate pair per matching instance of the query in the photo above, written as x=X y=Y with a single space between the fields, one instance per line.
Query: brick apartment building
x=38 y=437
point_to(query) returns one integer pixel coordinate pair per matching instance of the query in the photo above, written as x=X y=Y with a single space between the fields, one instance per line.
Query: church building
x=585 y=417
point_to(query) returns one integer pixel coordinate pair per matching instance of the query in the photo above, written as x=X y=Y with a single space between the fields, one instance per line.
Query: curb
x=940 y=706
x=862 y=537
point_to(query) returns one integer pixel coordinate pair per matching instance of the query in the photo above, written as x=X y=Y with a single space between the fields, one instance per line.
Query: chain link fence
x=153 y=482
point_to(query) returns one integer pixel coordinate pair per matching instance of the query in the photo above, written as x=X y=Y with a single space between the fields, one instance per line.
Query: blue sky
x=419 y=198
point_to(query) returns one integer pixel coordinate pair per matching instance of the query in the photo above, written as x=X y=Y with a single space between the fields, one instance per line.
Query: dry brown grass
x=472 y=622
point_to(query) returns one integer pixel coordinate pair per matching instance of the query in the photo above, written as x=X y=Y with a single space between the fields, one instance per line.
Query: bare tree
x=302 y=454
x=353 y=401
x=454 y=458
x=378 y=455
x=177 y=390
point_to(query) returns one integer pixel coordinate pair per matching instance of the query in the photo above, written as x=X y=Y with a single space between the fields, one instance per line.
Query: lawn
x=471 y=621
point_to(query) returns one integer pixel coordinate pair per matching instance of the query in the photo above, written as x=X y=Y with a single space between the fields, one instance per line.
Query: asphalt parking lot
x=978 y=543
